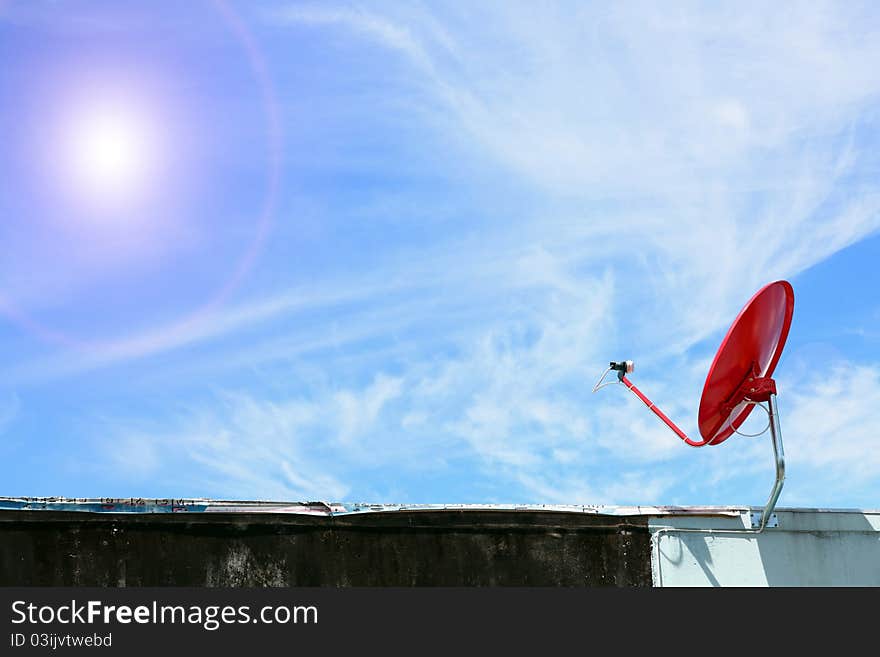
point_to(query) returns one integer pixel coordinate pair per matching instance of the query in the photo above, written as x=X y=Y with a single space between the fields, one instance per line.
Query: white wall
x=809 y=548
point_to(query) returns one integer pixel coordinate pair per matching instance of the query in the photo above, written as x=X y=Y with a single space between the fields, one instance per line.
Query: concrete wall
x=450 y=548
x=808 y=548
x=469 y=547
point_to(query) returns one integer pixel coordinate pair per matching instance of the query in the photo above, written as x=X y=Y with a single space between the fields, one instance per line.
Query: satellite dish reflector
x=739 y=378
x=748 y=353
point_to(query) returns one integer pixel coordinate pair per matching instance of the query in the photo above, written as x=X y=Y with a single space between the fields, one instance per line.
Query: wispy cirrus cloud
x=696 y=139
x=832 y=418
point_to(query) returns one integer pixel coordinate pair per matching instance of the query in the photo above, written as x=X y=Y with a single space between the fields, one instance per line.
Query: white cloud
x=357 y=412
x=238 y=445
x=619 y=488
x=831 y=424
x=509 y=396
x=205 y=327
x=727 y=124
x=370 y=25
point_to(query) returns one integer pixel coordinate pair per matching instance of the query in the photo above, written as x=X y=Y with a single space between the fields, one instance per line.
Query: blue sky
x=381 y=251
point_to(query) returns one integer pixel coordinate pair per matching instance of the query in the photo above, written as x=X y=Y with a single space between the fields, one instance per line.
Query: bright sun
x=110 y=156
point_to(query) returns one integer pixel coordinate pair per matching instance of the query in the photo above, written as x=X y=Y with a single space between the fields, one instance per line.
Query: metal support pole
x=779 y=456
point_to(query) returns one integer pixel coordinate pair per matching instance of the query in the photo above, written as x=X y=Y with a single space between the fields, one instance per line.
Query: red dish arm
x=669 y=423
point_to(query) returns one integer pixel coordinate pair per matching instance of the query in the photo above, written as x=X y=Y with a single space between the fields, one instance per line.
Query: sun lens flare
x=110 y=155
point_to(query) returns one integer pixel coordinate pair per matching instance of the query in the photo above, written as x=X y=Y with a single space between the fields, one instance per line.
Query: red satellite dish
x=748 y=353
x=739 y=377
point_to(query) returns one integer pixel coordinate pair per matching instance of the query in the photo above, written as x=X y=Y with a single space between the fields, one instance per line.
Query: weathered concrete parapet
x=392 y=548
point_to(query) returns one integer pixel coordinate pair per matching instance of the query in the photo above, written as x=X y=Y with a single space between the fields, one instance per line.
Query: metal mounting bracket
x=772 y=521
